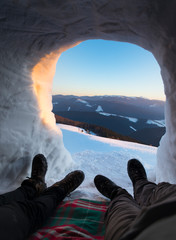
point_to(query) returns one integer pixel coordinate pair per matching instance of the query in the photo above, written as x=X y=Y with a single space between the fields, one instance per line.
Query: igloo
x=33 y=34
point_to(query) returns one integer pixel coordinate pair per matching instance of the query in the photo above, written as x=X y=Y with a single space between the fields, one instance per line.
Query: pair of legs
x=123 y=208
x=27 y=208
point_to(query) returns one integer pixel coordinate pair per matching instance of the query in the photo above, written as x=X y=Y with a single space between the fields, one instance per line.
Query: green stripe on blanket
x=75 y=219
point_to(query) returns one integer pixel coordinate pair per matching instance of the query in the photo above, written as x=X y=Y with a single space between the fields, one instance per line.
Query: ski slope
x=97 y=155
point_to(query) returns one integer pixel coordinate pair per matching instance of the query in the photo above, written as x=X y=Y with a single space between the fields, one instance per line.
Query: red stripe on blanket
x=76 y=219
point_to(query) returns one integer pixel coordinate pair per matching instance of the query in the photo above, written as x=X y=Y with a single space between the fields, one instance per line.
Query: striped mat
x=75 y=219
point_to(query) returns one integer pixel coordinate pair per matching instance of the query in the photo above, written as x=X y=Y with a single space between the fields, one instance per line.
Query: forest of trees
x=98 y=130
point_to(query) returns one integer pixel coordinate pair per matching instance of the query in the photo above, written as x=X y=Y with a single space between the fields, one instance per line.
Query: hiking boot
x=39 y=168
x=136 y=171
x=105 y=186
x=70 y=182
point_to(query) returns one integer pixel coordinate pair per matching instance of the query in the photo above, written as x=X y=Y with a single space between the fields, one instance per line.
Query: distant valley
x=138 y=118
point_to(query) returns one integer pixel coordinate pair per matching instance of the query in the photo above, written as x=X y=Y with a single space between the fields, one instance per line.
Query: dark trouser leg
x=143 y=190
x=21 y=218
x=24 y=192
x=120 y=215
x=163 y=192
x=147 y=193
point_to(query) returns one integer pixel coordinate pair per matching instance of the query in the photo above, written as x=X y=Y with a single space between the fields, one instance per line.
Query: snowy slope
x=97 y=155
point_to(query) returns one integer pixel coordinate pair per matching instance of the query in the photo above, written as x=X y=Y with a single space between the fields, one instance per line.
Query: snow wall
x=33 y=34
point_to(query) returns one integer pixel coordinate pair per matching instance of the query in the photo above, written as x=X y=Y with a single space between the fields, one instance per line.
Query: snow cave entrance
x=102 y=67
x=47 y=30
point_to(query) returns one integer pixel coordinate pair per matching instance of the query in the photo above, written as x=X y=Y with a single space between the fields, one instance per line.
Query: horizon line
x=106 y=95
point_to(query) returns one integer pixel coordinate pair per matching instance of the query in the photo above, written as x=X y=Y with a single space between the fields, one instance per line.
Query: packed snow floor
x=97 y=155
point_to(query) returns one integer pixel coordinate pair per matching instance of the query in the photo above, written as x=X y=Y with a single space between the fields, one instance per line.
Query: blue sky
x=98 y=67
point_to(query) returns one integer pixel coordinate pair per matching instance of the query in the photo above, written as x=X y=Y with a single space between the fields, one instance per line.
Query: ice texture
x=33 y=34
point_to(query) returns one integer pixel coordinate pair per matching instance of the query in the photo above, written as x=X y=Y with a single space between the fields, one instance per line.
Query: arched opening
x=115 y=73
x=73 y=75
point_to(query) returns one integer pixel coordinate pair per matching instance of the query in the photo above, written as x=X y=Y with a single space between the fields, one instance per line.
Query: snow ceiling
x=33 y=34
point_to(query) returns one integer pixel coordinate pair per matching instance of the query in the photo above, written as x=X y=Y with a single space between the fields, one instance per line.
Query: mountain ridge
x=120 y=105
x=124 y=115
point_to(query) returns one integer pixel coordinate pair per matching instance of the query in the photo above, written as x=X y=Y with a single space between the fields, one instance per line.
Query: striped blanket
x=76 y=219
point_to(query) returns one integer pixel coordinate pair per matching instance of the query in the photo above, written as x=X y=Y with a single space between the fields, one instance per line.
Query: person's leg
x=147 y=193
x=143 y=191
x=24 y=192
x=120 y=215
x=142 y=188
x=122 y=210
x=31 y=187
x=21 y=218
x=163 y=192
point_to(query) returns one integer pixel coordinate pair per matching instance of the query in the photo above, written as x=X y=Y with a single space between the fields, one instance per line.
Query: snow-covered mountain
x=136 y=107
x=97 y=155
x=141 y=119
